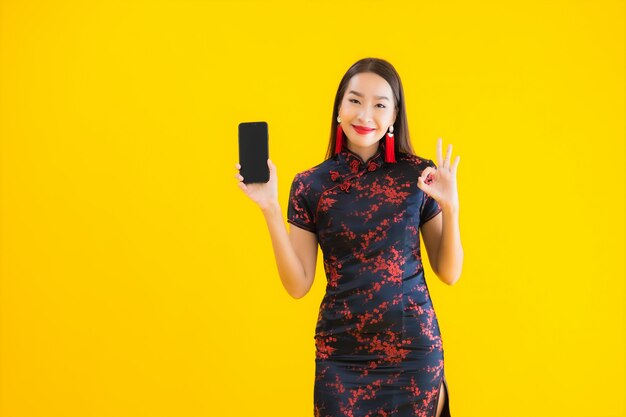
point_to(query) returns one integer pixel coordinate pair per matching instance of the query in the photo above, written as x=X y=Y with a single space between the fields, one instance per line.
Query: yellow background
x=138 y=280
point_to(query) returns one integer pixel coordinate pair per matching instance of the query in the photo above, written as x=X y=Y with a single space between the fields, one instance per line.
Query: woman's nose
x=365 y=115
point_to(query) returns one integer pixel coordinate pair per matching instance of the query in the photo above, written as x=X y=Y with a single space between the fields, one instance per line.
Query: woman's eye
x=353 y=100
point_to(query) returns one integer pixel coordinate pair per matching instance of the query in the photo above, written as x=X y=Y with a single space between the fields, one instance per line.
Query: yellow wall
x=138 y=280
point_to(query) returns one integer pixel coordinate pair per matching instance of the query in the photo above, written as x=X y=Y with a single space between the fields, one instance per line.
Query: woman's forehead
x=368 y=84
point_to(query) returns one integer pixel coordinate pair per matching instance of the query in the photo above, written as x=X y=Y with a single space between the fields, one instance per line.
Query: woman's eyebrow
x=361 y=95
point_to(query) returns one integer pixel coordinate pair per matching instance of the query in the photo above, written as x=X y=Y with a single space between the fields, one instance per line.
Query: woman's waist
x=394 y=341
x=402 y=318
x=375 y=296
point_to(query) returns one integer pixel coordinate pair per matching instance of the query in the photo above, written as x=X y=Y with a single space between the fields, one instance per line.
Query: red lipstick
x=362 y=129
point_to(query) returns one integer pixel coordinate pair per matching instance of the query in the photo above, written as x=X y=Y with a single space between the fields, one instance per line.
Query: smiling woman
x=378 y=344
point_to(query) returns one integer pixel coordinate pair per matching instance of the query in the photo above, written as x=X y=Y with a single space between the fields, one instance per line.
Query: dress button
x=371 y=166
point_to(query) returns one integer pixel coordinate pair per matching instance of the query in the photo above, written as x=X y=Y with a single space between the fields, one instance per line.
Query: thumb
x=271 y=165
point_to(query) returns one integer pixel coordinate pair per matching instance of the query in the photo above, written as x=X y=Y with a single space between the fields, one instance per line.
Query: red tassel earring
x=339 y=139
x=390 y=153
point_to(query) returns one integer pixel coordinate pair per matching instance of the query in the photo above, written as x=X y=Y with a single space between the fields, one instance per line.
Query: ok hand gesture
x=442 y=185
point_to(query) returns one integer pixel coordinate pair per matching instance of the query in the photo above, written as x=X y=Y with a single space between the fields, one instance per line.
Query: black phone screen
x=253 y=152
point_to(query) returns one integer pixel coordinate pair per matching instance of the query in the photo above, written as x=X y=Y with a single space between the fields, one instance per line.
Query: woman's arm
x=442 y=239
x=295 y=253
x=441 y=234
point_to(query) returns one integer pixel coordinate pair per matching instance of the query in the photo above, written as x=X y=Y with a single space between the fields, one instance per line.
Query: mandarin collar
x=354 y=163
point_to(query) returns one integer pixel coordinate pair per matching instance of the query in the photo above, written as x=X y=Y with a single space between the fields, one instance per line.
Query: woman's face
x=367 y=103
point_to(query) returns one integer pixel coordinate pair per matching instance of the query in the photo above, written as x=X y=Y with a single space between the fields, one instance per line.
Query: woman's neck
x=364 y=152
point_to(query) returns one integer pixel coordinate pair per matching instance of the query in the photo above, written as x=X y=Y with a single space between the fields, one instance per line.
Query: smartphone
x=253 y=152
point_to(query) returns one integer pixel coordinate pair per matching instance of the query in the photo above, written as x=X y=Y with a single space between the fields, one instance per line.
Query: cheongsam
x=378 y=347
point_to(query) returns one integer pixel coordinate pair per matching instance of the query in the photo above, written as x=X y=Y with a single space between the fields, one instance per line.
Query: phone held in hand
x=253 y=152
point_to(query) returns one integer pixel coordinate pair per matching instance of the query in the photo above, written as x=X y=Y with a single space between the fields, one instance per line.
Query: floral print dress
x=379 y=350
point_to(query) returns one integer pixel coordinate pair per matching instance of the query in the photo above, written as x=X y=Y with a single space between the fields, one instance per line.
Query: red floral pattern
x=378 y=344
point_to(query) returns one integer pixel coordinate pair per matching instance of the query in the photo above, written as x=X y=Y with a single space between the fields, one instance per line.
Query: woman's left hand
x=442 y=186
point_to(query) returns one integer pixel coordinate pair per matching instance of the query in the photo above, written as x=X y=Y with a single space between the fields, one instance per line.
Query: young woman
x=379 y=350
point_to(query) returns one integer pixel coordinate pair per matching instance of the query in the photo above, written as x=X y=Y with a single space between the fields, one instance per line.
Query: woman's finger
x=272 y=168
x=439 y=158
x=427 y=171
x=448 y=156
x=456 y=164
x=423 y=186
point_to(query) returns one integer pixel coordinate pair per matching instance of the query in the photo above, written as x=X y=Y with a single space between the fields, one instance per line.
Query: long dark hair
x=389 y=73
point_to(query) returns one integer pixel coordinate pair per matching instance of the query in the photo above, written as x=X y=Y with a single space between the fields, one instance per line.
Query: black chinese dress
x=378 y=345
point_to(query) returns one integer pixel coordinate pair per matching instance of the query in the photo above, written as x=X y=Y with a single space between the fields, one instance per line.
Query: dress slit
x=445 y=411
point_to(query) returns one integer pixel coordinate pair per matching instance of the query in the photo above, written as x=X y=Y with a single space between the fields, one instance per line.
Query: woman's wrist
x=452 y=208
x=271 y=207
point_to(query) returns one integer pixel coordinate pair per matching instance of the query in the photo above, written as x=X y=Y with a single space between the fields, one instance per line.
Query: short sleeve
x=429 y=208
x=300 y=207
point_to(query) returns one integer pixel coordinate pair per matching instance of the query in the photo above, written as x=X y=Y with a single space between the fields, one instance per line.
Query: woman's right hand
x=263 y=194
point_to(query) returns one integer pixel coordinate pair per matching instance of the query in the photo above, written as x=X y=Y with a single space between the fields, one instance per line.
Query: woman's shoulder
x=315 y=173
x=312 y=182
x=410 y=166
x=415 y=160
